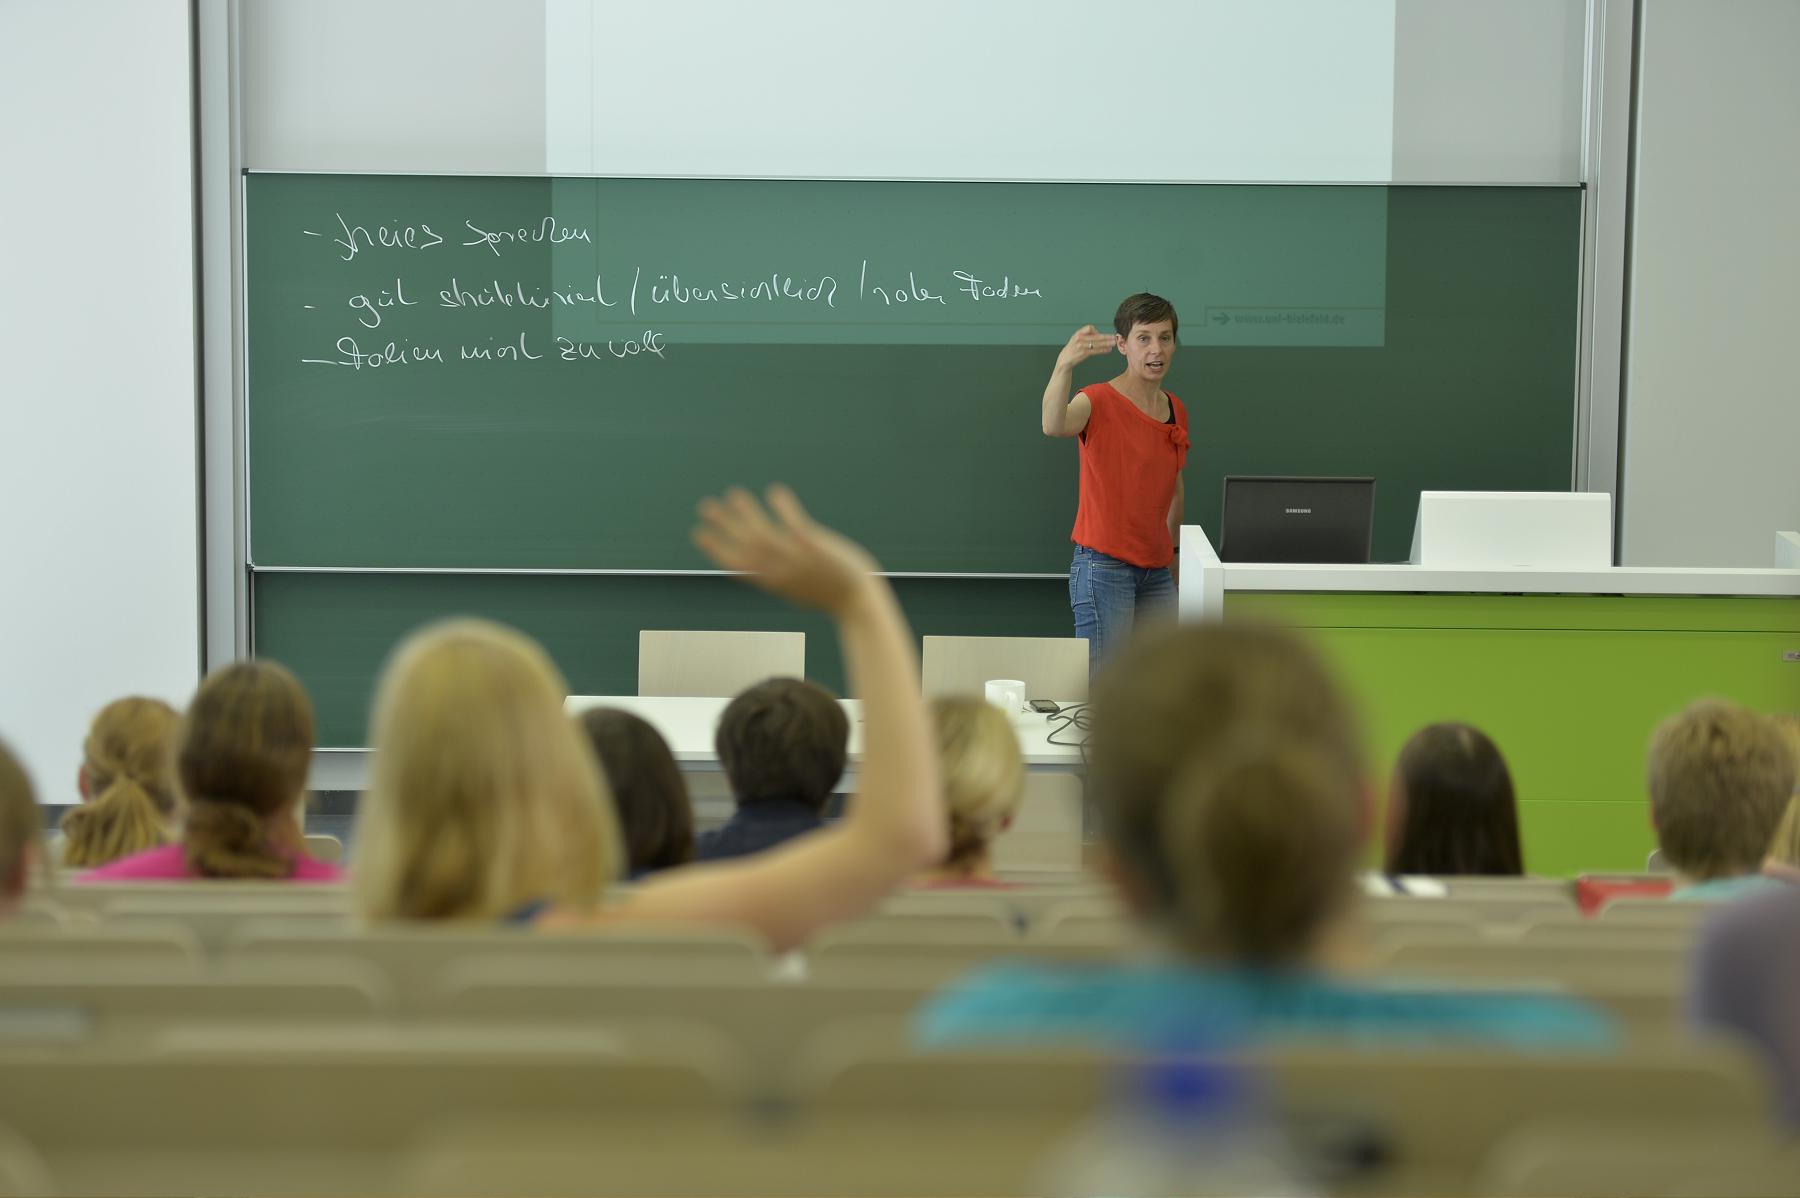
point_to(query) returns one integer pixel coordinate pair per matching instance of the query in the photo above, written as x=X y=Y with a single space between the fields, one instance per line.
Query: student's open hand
x=783 y=549
x=1087 y=342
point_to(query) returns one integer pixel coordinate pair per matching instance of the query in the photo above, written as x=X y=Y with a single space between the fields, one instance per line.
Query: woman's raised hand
x=783 y=550
x=1087 y=342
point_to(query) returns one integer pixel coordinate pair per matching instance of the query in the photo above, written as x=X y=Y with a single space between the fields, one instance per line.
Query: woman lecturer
x=1133 y=443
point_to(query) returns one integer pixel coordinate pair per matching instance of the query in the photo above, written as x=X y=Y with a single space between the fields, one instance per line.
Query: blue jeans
x=1108 y=596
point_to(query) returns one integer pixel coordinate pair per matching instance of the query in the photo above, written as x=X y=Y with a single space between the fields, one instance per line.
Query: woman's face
x=1148 y=350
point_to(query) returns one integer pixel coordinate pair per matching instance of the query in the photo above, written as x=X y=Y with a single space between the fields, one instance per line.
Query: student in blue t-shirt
x=1225 y=764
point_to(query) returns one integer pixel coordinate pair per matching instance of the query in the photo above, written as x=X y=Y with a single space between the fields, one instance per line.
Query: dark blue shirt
x=757 y=825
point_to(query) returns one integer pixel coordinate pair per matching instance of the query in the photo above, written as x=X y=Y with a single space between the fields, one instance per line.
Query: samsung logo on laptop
x=1297 y=511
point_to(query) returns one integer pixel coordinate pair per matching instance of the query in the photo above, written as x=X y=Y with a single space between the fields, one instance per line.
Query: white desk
x=688 y=725
x=1205 y=579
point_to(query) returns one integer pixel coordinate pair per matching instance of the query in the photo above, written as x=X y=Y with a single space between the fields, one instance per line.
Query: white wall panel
x=1712 y=410
x=98 y=416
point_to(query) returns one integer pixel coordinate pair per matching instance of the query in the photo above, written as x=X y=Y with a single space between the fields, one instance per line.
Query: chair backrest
x=1046 y=832
x=323 y=847
x=99 y=897
x=111 y=997
x=767 y=1022
x=330 y=1109
x=1573 y=962
x=1364 y=1120
x=159 y=941
x=877 y=958
x=414 y=959
x=216 y=919
x=711 y=664
x=1599 y=1158
x=1654 y=913
x=1052 y=667
x=1436 y=1116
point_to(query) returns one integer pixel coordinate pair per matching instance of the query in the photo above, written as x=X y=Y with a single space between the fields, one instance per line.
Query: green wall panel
x=334 y=630
x=1569 y=687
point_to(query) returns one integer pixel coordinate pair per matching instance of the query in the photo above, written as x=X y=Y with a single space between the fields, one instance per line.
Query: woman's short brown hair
x=1719 y=776
x=784 y=738
x=1144 y=308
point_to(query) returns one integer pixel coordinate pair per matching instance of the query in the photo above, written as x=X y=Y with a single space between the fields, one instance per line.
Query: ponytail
x=983 y=773
x=229 y=840
x=127 y=763
x=1259 y=847
x=121 y=820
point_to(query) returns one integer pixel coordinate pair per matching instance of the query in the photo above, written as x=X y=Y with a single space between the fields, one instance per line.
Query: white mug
x=1008 y=694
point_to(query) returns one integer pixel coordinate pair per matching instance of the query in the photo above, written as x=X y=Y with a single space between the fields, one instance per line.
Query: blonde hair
x=21 y=826
x=983 y=772
x=128 y=758
x=1227 y=770
x=241 y=760
x=1719 y=777
x=484 y=797
x=1785 y=847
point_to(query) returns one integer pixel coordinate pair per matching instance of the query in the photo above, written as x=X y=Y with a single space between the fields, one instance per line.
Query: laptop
x=1289 y=519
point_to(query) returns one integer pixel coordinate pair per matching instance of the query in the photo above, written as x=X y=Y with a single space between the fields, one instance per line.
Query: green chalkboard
x=336 y=629
x=612 y=348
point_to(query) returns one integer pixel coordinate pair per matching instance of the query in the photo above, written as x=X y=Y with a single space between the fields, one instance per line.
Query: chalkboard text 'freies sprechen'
x=631 y=291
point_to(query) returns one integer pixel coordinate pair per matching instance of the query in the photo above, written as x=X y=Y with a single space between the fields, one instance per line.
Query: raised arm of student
x=895 y=825
x=1064 y=417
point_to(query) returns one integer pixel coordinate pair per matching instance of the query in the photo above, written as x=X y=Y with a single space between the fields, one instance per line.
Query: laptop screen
x=1285 y=519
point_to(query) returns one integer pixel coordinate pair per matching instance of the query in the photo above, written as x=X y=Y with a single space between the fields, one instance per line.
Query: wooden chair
x=1572 y=963
x=1360 y=1121
x=23 y=1173
x=110 y=1002
x=1085 y=919
x=709 y=664
x=331 y=1110
x=95 y=898
x=414 y=959
x=322 y=847
x=908 y=960
x=150 y=941
x=1047 y=831
x=1052 y=667
x=216 y=918
x=766 y=1022
x=1596 y=1157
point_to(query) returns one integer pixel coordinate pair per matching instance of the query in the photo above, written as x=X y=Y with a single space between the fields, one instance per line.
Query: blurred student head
x=241 y=759
x=484 y=798
x=1450 y=806
x=127 y=784
x=20 y=829
x=1226 y=767
x=655 y=815
x=784 y=738
x=1719 y=777
x=1784 y=849
x=984 y=777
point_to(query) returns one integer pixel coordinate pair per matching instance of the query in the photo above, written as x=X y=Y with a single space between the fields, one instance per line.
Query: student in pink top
x=241 y=757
